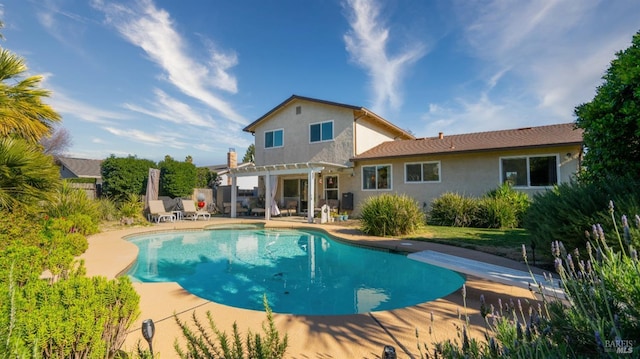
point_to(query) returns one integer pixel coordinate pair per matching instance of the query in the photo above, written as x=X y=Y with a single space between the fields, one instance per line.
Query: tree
x=57 y=143
x=611 y=121
x=177 y=179
x=27 y=175
x=125 y=175
x=22 y=112
x=205 y=178
x=250 y=154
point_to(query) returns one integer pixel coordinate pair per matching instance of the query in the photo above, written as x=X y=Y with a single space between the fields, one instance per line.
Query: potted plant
x=345 y=216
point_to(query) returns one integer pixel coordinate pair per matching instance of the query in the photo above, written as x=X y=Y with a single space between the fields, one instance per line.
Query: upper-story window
x=376 y=177
x=274 y=138
x=321 y=131
x=422 y=172
x=530 y=171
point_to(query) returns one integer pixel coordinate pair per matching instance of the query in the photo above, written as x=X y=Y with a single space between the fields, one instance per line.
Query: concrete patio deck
x=344 y=336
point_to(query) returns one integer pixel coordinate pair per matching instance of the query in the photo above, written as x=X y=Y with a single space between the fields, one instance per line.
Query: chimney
x=232 y=162
x=441 y=135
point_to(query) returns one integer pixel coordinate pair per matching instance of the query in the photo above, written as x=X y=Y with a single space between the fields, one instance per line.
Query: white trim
x=389 y=177
x=526 y=158
x=439 y=163
x=282 y=169
x=265 y=138
x=325 y=183
x=320 y=123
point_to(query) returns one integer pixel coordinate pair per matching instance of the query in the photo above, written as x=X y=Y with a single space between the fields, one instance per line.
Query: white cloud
x=538 y=60
x=64 y=26
x=170 y=109
x=468 y=116
x=152 y=29
x=66 y=105
x=367 y=43
x=163 y=139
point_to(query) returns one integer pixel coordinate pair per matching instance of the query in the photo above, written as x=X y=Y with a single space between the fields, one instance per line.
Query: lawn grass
x=503 y=242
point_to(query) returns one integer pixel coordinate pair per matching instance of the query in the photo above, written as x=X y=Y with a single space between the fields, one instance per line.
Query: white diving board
x=490 y=272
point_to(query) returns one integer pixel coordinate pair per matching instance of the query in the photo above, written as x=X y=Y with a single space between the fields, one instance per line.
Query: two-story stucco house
x=308 y=150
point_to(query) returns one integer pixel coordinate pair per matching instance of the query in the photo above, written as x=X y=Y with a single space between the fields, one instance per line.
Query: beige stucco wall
x=467 y=174
x=369 y=135
x=297 y=148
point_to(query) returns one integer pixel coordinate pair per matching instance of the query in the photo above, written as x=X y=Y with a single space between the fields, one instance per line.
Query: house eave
x=469 y=151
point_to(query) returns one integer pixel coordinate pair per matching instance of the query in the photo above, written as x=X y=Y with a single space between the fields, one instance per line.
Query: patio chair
x=291 y=207
x=190 y=211
x=159 y=213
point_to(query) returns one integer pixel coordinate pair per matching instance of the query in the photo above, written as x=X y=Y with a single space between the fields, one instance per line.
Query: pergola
x=310 y=168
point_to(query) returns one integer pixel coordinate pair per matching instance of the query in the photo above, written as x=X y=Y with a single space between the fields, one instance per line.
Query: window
x=319 y=132
x=376 y=177
x=422 y=172
x=298 y=110
x=531 y=171
x=273 y=138
x=331 y=187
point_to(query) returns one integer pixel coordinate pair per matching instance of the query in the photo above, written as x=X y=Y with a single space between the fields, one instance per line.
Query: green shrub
x=201 y=344
x=517 y=201
x=78 y=317
x=495 y=213
x=31 y=244
x=69 y=201
x=563 y=213
x=453 y=209
x=132 y=207
x=61 y=244
x=390 y=215
x=124 y=175
x=108 y=209
x=597 y=315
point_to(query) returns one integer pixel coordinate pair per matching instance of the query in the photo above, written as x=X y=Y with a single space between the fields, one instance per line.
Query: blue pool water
x=300 y=271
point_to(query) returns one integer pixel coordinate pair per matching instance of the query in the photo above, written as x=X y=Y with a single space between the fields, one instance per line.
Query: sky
x=152 y=78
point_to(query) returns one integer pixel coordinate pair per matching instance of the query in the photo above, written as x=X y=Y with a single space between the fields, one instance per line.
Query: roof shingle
x=82 y=167
x=529 y=137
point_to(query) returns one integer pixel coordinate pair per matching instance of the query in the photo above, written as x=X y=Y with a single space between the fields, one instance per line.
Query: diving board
x=489 y=271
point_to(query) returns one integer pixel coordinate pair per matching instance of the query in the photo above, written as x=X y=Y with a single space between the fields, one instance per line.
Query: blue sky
x=163 y=77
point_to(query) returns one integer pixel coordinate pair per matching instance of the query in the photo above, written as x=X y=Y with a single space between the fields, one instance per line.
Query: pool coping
x=358 y=335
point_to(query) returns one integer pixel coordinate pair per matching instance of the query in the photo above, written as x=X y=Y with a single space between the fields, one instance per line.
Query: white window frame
x=528 y=167
x=320 y=124
x=377 y=167
x=325 y=182
x=406 y=177
x=273 y=131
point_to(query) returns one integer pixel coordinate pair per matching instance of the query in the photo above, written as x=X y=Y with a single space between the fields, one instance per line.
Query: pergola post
x=267 y=196
x=234 y=196
x=311 y=195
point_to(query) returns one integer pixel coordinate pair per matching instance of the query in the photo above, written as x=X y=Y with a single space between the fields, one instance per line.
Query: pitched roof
x=528 y=137
x=402 y=133
x=224 y=168
x=82 y=167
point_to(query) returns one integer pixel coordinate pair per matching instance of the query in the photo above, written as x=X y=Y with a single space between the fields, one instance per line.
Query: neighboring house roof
x=224 y=169
x=365 y=112
x=528 y=137
x=81 y=167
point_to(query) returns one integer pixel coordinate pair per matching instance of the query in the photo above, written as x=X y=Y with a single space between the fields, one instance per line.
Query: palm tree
x=27 y=175
x=22 y=112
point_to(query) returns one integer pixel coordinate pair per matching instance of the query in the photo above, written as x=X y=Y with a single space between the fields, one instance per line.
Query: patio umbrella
x=153 y=184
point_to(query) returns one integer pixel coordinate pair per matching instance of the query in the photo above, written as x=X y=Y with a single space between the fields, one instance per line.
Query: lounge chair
x=159 y=213
x=190 y=211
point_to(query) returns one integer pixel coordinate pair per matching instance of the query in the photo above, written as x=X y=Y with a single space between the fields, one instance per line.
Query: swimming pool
x=300 y=271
